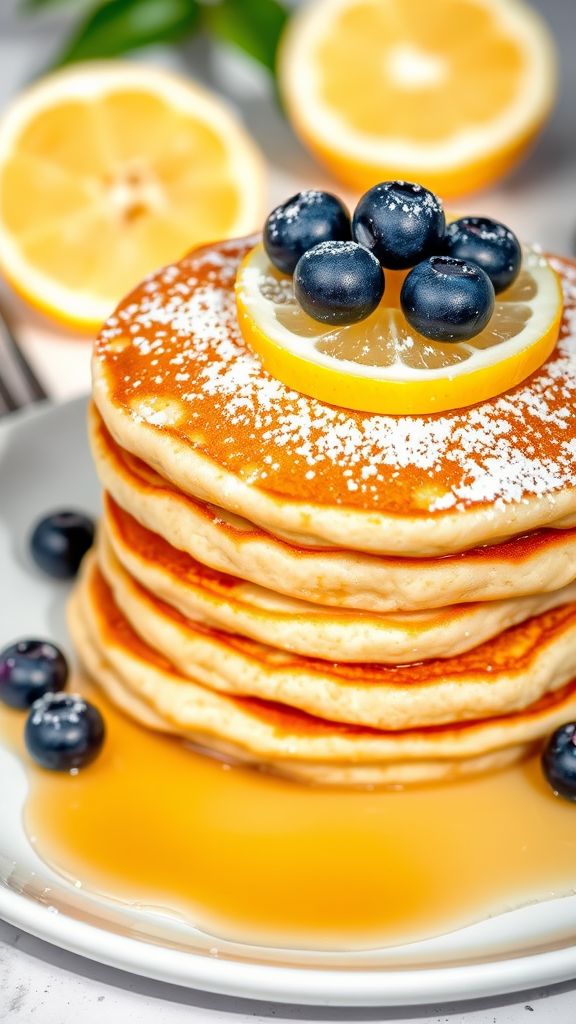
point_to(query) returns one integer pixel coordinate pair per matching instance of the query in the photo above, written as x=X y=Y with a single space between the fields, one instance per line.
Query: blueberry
x=28 y=670
x=63 y=731
x=487 y=243
x=338 y=282
x=60 y=541
x=447 y=299
x=301 y=222
x=401 y=223
x=559 y=761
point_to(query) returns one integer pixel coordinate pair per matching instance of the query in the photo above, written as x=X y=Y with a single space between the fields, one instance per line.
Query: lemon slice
x=381 y=364
x=108 y=171
x=445 y=92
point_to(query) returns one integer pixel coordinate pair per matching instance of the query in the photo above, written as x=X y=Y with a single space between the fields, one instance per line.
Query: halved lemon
x=445 y=92
x=381 y=364
x=108 y=171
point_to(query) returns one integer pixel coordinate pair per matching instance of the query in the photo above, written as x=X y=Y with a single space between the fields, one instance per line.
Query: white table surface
x=40 y=984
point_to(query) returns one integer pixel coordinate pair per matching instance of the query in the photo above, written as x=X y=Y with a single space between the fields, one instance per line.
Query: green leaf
x=33 y=5
x=254 y=26
x=117 y=26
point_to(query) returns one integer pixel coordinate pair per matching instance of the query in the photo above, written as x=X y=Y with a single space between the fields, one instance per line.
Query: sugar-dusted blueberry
x=559 y=761
x=300 y=223
x=487 y=243
x=400 y=222
x=64 y=731
x=28 y=670
x=447 y=299
x=59 y=542
x=338 y=282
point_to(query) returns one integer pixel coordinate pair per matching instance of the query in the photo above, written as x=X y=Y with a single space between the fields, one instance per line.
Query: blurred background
x=229 y=46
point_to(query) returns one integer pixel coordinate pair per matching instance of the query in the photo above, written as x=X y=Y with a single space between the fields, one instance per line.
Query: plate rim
x=295 y=985
x=313 y=986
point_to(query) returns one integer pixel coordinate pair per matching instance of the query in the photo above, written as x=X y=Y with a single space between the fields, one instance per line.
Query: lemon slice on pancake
x=381 y=364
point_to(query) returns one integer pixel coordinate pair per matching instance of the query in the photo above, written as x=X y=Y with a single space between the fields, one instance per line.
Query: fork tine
x=9 y=403
x=35 y=389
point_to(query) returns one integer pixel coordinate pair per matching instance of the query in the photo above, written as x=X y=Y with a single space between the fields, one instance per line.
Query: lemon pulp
x=381 y=364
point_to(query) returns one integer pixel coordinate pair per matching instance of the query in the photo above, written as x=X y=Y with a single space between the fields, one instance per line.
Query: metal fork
x=19 y=385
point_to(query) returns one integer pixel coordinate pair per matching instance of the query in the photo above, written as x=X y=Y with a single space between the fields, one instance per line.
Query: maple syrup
x=249 y=857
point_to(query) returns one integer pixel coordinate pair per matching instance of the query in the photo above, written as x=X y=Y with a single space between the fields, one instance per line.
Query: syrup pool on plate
x=249 y=857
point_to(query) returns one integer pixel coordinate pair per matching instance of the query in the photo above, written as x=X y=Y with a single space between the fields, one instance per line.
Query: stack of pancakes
x=336 y=596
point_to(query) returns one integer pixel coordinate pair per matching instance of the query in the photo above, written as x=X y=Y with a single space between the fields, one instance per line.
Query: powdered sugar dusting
x=414 y=200
x=291 y=210
x=519 y=445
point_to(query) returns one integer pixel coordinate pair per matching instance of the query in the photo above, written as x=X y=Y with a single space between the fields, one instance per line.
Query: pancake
x=178 y=388
x=228 y=603
x=277 y=737
x=537 y=563
x=503 y=675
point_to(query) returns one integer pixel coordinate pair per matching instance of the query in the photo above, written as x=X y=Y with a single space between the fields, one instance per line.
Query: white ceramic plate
x=44 y=464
